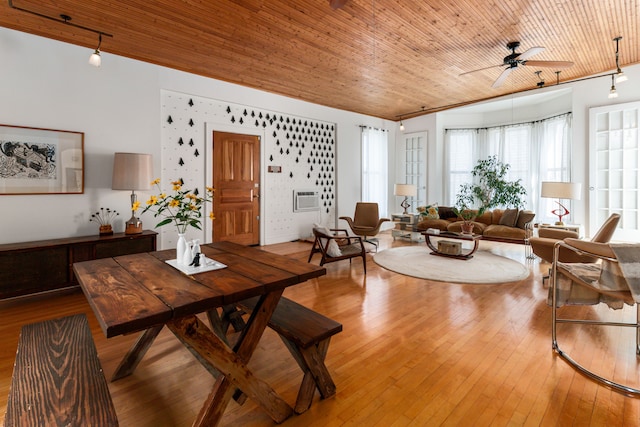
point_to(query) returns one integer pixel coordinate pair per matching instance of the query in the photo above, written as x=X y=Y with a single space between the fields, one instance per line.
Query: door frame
x=211 y=127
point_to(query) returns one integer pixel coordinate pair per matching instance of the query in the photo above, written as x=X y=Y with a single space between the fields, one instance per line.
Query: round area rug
x=484 y=267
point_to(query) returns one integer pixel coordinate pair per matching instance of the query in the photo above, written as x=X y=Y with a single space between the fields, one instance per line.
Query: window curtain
x=536 y=151
x=375 y=155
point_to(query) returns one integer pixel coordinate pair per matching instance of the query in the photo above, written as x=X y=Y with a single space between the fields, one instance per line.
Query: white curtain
x=535 y=151
x=375 y=155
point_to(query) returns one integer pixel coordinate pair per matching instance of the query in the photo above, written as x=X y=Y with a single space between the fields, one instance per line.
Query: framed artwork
x=41 y=161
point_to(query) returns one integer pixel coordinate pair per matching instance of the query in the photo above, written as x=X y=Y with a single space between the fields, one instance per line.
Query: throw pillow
x=333 y=250
x=509 y=217
x=432 y=211
x=524 y=217
x=446 y=212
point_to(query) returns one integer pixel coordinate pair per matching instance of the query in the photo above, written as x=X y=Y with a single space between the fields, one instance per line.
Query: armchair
x=614 y=281
x=337 y=247
x=366 y=221
x=543 y=246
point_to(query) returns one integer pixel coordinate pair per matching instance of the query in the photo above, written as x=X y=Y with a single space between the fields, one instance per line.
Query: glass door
x=613 y=173
x=413 y=158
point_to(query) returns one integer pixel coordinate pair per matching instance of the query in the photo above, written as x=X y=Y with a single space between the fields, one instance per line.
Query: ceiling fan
x=515 y=60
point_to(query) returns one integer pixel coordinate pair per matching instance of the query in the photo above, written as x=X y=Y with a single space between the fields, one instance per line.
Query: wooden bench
x=306 y=334
x=57 y=378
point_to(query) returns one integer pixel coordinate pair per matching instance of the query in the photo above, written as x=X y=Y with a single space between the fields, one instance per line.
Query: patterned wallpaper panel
x=302 y=149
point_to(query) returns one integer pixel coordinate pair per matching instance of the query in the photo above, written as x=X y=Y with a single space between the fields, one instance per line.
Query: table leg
x=316 y=375
x=210 y=349
x=136 y=353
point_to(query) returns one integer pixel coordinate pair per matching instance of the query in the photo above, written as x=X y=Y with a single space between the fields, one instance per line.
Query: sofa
x=505 y=225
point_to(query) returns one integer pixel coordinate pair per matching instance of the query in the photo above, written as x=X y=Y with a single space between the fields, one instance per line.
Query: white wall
x=577 y=97
x=48 y=84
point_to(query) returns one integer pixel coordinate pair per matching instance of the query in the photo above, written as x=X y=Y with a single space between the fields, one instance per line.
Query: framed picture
x=41 y=161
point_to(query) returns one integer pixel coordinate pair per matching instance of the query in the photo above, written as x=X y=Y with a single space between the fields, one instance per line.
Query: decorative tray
x=206 y=264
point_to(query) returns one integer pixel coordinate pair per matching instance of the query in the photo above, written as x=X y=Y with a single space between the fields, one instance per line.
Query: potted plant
x=465 y=207
x=489 y=189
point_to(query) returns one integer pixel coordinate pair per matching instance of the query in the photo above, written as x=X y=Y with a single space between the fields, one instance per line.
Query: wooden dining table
x=143 y=293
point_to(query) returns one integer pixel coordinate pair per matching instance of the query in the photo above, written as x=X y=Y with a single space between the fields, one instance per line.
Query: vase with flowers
x=104 y=218
x=182 y=208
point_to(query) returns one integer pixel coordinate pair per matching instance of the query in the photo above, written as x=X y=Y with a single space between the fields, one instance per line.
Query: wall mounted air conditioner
x=306 y=200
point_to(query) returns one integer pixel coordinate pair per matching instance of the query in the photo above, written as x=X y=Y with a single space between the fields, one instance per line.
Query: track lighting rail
x=63 y=19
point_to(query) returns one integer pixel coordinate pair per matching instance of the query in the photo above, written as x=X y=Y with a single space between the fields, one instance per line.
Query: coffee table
x=475 y=238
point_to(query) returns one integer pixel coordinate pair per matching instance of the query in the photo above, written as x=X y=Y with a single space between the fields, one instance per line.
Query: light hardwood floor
x=412 y=352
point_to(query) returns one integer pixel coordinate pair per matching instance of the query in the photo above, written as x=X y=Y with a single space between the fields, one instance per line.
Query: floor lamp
x=560 y=190
x=406 y=190
x=132 y=171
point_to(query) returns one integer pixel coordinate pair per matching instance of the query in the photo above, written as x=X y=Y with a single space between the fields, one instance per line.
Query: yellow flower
x=135 y=206
x=211 y=216
x=181 y=208
x=155 y=181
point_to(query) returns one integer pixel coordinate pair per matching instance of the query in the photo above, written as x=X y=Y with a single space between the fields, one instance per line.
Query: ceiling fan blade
x=549 y=64
x=337 y=4
x=502 y=77
x=480 y=69
x=529 y=53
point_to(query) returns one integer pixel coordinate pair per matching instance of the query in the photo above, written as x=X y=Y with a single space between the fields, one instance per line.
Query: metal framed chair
x=614 y=280
x=543 y=245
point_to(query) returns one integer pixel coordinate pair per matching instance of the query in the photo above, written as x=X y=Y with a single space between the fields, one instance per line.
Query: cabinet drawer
x=125 y=247
x=35 y=270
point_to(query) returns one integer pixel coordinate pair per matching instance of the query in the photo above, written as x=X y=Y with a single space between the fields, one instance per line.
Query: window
x=375 y=156
x=535 y=151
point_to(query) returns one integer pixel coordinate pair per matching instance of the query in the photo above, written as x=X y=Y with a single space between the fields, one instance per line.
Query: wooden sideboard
x=32 y=267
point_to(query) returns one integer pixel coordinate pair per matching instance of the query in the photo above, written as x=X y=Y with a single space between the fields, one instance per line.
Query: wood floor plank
x=412 y=352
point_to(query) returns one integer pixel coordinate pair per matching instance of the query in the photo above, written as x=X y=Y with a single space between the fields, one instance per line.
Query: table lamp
x=406 y=190
x=132 y=171
x=560 y=190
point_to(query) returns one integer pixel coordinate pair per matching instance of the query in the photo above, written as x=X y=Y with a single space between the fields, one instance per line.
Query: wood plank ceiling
x=385 y=58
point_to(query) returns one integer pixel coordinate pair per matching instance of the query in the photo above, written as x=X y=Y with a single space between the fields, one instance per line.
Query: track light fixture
x=540 y=79
x=95 y=58
x=401 y=126
x=620 y=76
x=613 y=93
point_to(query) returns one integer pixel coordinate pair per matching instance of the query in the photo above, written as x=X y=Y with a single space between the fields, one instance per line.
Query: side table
x=405 y=227
x=569 y=227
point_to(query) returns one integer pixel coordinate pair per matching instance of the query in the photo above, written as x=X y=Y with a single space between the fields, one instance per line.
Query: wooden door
x=236 y=178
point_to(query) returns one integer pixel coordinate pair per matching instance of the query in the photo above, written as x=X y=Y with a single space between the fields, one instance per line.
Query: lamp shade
x=561 y=190
x=132 y=171
x=406 y=190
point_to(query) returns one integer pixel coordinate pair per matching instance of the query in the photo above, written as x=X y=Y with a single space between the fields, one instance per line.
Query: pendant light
x=613 y=93
x=620 y=76
x=95 y=58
